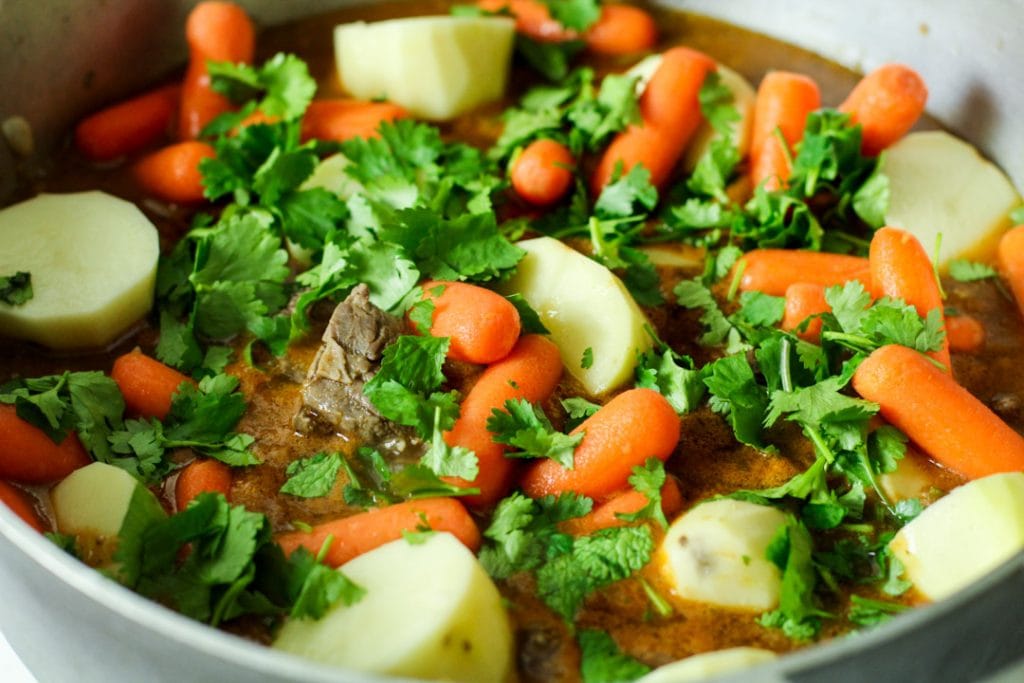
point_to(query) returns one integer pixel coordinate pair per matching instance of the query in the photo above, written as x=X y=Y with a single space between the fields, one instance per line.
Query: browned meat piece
x=332 y=394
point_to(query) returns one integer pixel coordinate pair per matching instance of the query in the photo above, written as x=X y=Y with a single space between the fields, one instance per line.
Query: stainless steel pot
x=60 y=58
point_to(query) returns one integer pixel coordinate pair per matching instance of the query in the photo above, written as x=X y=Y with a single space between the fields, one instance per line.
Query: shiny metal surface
x=59 y=58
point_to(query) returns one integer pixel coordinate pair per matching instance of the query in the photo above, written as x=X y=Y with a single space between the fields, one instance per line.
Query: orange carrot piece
x=483 y=325
x=1010 y=256
x=635 y=425
x=20 y=504
x=671 y=113
x=621 y=30
x=784 y=99
x=29 y=456
x=606 y=515
x=886 y=103
x=531 y=371
x=542 y=173
x=965 y=333
x=341 y=119
x=147 y=384
x=202 y=475
x=772 y=271
x=533 y=19
x=365 y=531
x=803 y=300
x=215 y=31
x=128 y=126
x=172 y=173
x=940 y=416
x=901 y=269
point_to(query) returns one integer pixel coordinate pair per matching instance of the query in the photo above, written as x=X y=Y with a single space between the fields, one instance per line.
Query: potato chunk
x=963 y=536
x=436 y=67
x=93 y=260
x=585 y=306
x=430 y=611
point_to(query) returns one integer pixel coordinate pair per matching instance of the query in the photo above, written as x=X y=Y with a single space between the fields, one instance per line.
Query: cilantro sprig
x=16 y=289
x=525 y=427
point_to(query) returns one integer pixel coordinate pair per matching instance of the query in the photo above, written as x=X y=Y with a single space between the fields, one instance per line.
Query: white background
x=11 y=668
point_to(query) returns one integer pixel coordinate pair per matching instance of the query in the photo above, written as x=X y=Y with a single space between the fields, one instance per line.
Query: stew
x=568 y=373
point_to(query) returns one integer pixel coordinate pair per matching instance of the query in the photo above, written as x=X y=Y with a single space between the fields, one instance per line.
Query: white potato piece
x=700 y=667
x=93 y=260
x=941 y=184
x=430 y=611
x=911 y=479
x=715 y=553
x=964 y=535
x=436 y=67
x=94 y=500
x=585 y=306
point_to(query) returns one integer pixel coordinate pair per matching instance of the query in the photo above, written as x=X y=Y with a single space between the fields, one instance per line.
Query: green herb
x=525 y=427
x=449 y=461
x=673 y=376
x=962 y=270
x=376 y=485
x=312 y=477
x=320 y=587
x=529 y=319
x=869 y=612
x=1017 y=215
x=601 y=660
x=736 y=394
x=798 y=615
x=587 y=361
x=283 y=83
x=16 y=289
x=577 y=15
x=648 y=479
x=578 y=409
x=552 y=60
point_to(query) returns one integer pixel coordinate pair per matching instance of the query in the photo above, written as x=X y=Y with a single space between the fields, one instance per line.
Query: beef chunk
x=332 y=394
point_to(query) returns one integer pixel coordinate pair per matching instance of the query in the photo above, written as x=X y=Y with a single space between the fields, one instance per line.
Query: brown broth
x=708 y=461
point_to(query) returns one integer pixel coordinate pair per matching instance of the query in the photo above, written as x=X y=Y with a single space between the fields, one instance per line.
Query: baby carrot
x=772 y=271
x=343 y=119
x=803 y=300
x=172 y=173
x=215 y=31
x=29 y=456
x=20 y=504
x=671 y=113
x=365 y=531
x=606 y=515
x=128 y=126
x=147 y=384
x=945 y=420
x=784 y=99
x=483 y=326
x=202 y=475
x=770 y=165
x=621 y=30
x=965 y=333
x=901 y=269
x=530 y=371
x=886 y=103
x=1011 y=262
x=635 y=425
x=542 y=173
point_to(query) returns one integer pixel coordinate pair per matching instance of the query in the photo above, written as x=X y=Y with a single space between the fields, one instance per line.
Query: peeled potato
x=436 y=67
x=700 y=667
x=941 y=184
x=585 y=306
x=93 y=260
x=430 y=611
x=963 y=536
x=715 y=553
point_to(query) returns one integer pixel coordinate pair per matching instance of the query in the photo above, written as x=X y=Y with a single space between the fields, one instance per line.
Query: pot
x=62 y=58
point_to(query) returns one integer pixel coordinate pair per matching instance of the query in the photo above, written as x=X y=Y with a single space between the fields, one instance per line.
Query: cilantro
x=736 y=394
x=593 y=562
x=524 y=426
x=283 y=82
x=15 y=289
x=962 y=270
x=528 y=317
x=797 y=615
x=578 y=409
x=601 y=660
x=66 y=542
x=625 y=192
x=648 y=479
x=587 y=360
x=449 y=461
x=864 y=326
x=761 y=310
x=868 y=612
x=550 y=59
x=694 y=294
x=320 y=586
x=375 y=484
x=673 y=376
x=421 y=313
x=312 y=477
x=577 y=15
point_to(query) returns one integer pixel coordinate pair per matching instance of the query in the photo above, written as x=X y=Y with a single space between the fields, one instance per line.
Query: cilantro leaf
x=578 y=15
x=648 y=479
x=449 y=461
x=529 y=318
x=524 y=426
x=283 y=82
x=694 y=294
x=760 y=309
x=798 y=615
x=736 y=394
x=963 y=270
x=16 y=289
x=319 y=587
x=312 y=477
x=619 y=197
x=601 y=660
x=551 y=60
x=869 y=612
x=673 y=376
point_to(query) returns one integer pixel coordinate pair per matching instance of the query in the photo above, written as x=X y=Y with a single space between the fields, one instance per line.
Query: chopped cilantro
x=449 y=461
x=529 y=319
x=16 y=289
x=524 y=426
x=320 y=586
x=962 y=270
x=798 y=615
x=601 y=660
x=587 y=361
x=736 y=394
x=870 y=612
x=648 y=479
x=673 y=376
x=283 y=82
x=376 y=485
x=577 y=15
x=312 y=477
